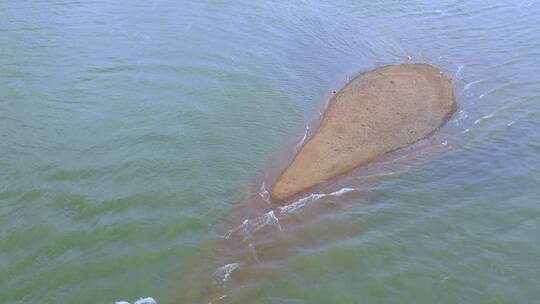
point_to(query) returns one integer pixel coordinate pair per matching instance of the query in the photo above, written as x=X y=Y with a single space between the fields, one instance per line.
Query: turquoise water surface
x=130 y=129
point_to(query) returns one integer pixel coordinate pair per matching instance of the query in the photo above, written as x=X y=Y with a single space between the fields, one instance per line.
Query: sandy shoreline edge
x=375 y=113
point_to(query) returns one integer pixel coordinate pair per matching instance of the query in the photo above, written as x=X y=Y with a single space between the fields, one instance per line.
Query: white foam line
x=147 y=300
x=470 y=84
x=312 y=197
x=226 y=270
x=274 y=219
x=298 y=145
x=458 y=72
x=245 y=227
x=268 y=218
x=300 y=203
x=231 y=231
x=250 y=226
x=263 y=193
x=483 y=118
x=341 y=191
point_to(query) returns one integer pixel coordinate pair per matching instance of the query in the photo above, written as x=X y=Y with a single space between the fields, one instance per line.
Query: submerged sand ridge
x=375 y=113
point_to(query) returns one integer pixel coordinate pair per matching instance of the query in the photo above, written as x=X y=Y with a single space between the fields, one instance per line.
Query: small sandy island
x=375 y=113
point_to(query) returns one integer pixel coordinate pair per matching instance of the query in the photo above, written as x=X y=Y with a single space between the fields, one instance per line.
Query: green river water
x=130 y=129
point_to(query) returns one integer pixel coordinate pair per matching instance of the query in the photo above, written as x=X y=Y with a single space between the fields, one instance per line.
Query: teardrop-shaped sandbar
x=375 y=113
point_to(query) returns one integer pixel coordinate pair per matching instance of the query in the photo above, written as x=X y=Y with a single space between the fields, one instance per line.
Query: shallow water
x=129 y=130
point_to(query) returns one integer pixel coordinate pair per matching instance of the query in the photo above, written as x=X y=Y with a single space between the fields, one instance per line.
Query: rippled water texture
x=130 y=129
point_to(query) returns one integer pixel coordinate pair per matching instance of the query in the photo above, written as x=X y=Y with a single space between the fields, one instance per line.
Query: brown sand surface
x=377 y=112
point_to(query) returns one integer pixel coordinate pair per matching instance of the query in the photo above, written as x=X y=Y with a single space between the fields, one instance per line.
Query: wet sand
x=256 y=235
x=375 y=113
